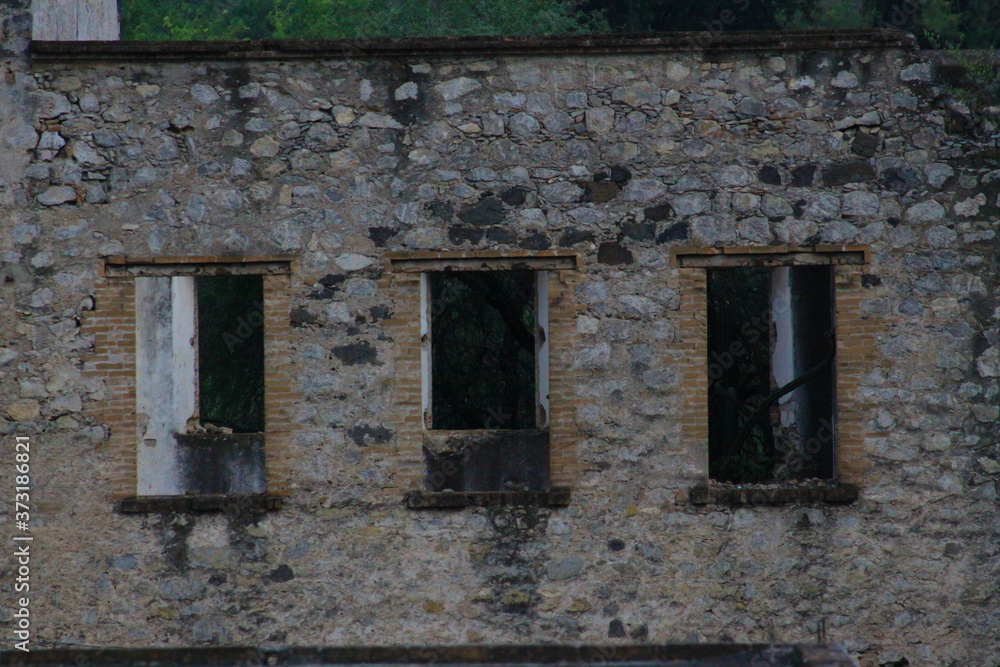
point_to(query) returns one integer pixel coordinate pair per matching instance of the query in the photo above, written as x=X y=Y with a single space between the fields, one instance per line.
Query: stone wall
x=621 y=157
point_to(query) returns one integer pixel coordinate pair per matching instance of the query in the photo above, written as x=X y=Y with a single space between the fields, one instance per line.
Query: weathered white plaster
x=166 y=377
x=542 y=348
x=783 y=366
x=425 y=350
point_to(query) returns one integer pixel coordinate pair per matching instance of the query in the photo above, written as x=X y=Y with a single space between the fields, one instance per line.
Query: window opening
x=200 y=384
x=485 y=379
x=483 y=350
x=231 y=352
x=771 y=349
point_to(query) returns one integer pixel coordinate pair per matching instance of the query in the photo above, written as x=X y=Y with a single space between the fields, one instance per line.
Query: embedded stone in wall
x=917 y=72
x=844 y=79
x=487 y=211
x=354 y=262
x=600 y=120
x=865 y=144
x=456 y=88
x=23 y=410
x=851 y=172
x=265 y=147
x=938 y=174
x=561 y=192
x=988 y=362
x=643 y=190
x=49 y=145
x=752 y=107
x=860 y=204
x=379 y=121
x=613 y=253
x=928 y=211
x=56 y=195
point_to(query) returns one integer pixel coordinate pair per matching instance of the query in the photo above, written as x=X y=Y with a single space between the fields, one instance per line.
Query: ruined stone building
x=536 y=340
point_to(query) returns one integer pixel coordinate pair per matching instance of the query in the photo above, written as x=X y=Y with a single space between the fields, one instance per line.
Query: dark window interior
x=762 y=429
x=231 y=352
x=483 y=349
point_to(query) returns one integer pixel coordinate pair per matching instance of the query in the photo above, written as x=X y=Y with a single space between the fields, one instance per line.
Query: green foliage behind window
x=483 y=349
x=739 y=311
x=231 y=352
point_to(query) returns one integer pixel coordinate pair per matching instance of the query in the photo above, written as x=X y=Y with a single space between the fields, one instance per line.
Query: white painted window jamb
x=425 y=350
x=542 y=348
x=185 y=344
x=166 y=378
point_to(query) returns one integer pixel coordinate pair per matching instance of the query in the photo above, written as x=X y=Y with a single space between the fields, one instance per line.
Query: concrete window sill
x=833 y=494
x=197 y=503
x=554 y=497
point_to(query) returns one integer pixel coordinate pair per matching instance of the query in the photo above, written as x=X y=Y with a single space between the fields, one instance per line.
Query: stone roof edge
x=603 y=44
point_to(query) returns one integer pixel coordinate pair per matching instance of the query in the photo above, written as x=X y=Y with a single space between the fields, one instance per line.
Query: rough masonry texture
x=625 y=156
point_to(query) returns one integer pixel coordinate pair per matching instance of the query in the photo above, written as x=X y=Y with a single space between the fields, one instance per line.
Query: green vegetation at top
x=331 y=19
x=965 y=23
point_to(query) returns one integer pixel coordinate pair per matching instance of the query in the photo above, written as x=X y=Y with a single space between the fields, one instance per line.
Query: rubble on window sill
x=194 y=427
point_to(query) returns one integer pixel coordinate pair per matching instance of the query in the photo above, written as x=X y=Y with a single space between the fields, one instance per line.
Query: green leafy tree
x=830 y=15
x=312 y=19
x=195 y=19
x=980 y=24
x=231 y=352
x=712 y=16
x=937 y=16
x=969 y=24
x=966 y=23
x=430 y=18
x=331 y=19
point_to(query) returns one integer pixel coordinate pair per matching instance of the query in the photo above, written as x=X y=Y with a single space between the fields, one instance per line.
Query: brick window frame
x=112 y=323
x=854 y=334
x=403 y=279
